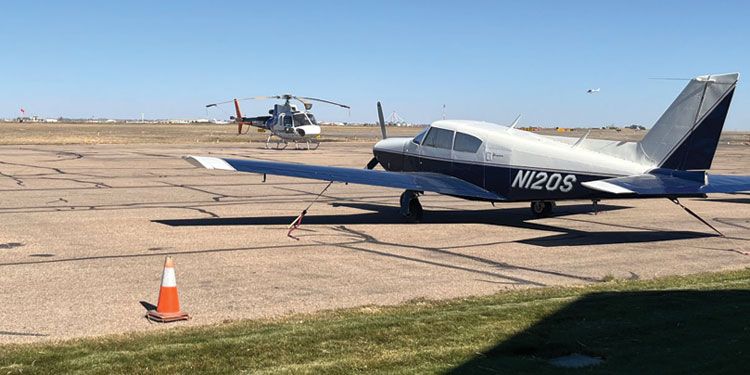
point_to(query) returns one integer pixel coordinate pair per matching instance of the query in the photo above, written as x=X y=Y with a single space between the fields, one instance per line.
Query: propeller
x=374 y=161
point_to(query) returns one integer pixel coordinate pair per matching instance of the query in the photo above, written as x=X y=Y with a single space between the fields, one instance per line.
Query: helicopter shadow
x=509 y=217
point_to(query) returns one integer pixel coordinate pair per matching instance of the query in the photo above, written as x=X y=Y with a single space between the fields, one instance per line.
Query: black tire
x=541 y=208
x=415 y=211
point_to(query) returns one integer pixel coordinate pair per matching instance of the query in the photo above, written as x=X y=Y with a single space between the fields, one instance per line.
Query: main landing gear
x=411 y=209
x=542 y=208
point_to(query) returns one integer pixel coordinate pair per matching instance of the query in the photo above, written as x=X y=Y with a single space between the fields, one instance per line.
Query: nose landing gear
x=411 y=209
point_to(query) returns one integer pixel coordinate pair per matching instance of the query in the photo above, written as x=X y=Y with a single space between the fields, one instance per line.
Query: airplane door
x=497 y=169
x=468 y=158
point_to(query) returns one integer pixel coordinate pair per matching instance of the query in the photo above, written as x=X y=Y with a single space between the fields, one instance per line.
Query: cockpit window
x=439 y=138
x=300 y=119
x=418 y=139
x=466 y=143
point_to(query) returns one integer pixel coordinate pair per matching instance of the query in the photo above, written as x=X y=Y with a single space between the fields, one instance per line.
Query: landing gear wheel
x=411 y=209
x=542 y=208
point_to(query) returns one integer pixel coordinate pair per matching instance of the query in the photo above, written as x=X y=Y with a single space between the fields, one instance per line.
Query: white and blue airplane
x=496 y=163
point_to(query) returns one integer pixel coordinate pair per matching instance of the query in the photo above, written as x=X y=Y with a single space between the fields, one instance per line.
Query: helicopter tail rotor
x=238 y=119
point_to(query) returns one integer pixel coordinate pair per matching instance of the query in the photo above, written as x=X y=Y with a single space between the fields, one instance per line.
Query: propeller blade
x=322 y=100
x=382 y=121
x=372 y=163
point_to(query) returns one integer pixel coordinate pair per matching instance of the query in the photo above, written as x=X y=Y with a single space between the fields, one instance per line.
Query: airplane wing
x=418 y=181
x=672 y=183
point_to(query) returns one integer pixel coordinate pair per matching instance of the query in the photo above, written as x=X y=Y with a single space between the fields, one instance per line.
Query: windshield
x=300 y=119
x=418 y=139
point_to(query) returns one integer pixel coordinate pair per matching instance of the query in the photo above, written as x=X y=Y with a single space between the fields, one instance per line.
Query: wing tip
x=209 y=162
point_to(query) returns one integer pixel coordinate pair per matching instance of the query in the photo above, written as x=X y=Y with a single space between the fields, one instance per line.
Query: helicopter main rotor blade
x=323 y=101
x=249 y=98
x=308 y=105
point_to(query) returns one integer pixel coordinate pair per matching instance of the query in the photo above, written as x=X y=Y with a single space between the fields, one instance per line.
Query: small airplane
x=285 y=121
x=592 y=91
x=495 y=163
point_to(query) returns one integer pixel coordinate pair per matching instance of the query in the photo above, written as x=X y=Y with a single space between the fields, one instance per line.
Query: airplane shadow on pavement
x=511 y=217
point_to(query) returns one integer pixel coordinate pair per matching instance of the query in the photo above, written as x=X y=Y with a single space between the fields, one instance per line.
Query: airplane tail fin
x=686 y=136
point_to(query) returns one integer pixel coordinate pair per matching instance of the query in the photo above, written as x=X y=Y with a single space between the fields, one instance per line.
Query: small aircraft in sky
x=592 y=91
x=286 y=122
x=495 y=163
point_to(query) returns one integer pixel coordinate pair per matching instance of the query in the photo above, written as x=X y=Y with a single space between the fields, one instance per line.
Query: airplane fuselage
x=515 y=164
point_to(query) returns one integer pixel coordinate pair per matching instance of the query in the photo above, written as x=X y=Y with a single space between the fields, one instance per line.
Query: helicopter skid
x=281 y=143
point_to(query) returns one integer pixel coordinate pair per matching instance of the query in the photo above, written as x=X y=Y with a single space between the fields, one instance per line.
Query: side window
x=466 y=143
x=439 y=138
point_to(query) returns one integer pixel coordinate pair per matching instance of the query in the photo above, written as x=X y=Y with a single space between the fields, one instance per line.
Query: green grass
x=688 y=324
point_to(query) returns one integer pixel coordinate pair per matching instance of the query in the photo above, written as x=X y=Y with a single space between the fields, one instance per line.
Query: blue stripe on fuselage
x=530 y=183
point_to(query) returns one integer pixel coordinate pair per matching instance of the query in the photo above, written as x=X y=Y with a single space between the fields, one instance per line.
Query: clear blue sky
x=485 y=60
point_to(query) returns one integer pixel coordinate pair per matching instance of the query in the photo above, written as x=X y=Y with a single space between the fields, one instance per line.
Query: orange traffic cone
x=168 y=307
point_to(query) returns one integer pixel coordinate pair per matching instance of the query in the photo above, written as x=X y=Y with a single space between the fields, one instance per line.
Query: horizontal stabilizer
x=670 y=183
x=417 y=181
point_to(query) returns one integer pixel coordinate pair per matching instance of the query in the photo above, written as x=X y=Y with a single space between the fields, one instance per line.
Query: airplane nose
x=378 y=146
x=391 y=144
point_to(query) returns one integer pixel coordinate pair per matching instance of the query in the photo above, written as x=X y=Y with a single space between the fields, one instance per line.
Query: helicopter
x=286 y=122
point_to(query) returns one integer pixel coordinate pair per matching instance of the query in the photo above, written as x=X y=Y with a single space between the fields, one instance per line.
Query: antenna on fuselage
x=580 y=140
x=515 y=122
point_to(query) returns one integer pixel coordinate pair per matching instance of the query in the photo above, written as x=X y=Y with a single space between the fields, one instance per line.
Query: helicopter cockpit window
x=439 y=138
x=466 y=143
x=418 y=139
x=300 y=119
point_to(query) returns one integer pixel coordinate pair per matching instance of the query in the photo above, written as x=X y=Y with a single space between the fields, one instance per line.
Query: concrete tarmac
x=85 y=230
